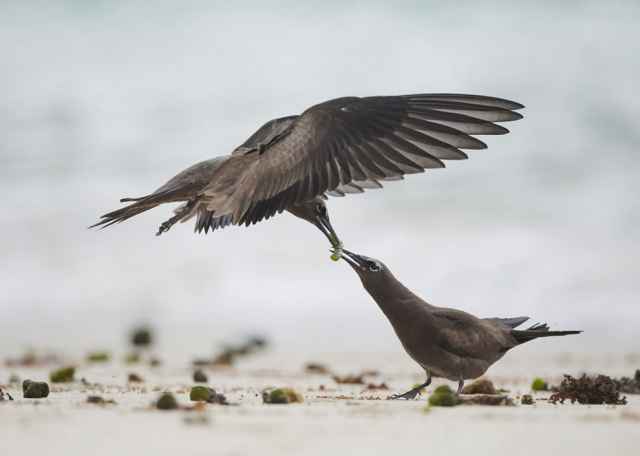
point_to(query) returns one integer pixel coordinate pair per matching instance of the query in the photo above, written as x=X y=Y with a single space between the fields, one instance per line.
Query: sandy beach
x=333 y=419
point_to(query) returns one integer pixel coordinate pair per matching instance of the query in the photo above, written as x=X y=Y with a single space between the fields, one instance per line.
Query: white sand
x=64 y=424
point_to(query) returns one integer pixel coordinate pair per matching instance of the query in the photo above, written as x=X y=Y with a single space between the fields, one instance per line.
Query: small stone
x=142 y=336
x=98 y=357
x=155 y=362
x=202 y=393
x=134 y=378
x=34 y=390
x=527 y=399
x=281 y=396
x=480 y=386
x=167 y=401
x=538 y=384
x=199 y=376
x=63 y=375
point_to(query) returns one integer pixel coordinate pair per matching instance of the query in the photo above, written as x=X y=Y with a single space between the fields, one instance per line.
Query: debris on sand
x=34 y=390
x=134 y=378
x=527 y=399
x=486 y=399
x=202 y=393
x=199 y=376
x=539 y=384
x=349 y=379
x=377 y=386
x=132 y=358
x=155 y=362
x=599 y=389
x=98 y=357
x=281 y=396
x=166 y=401
x=206 y=394
x=480 y=386
x=230 y=353
x=629 y=385
x=317 y=369
x=5 y=396
x=31 y=359
x=63 y=375
x=14 y=379
x=141 y=336
x=443 y=396
x=99 y=400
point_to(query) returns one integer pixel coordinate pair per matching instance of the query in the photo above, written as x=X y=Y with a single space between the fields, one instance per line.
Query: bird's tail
x=538 y=330
x=139 y=205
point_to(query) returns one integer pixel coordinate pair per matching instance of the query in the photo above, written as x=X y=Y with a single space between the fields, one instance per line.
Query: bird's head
x=367 y=268
x=315 y=211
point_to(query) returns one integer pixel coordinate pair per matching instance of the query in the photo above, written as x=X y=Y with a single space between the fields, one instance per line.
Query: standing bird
x=447 y=343
x=334 y=148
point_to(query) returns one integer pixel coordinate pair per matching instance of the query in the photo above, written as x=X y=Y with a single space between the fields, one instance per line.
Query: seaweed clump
x=443 y=396
x=63 y=375
x=539 y=384
x=527 y=399
x=199 y=376
x=167 y=401
x=281 y=396
x=206 y=394
x=629 y=385
x=600 y=389
x=480 y=386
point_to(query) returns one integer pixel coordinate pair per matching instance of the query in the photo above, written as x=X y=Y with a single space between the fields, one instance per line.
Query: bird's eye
x=374 y=267
x=321 y=209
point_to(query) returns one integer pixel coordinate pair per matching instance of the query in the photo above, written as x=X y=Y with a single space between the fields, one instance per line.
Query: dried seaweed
x=600 y=389
x=629 y=385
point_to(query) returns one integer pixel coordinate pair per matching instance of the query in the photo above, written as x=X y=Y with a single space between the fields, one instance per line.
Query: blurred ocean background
x=105 y=99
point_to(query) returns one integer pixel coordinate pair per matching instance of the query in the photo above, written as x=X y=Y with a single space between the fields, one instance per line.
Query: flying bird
x=446 y=343
x=338 y=147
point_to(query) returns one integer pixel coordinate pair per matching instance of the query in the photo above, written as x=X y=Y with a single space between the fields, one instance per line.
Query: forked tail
x=536 y=331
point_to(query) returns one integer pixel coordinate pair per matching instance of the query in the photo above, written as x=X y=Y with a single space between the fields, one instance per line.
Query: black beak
x=324 y=225
x=354 y=260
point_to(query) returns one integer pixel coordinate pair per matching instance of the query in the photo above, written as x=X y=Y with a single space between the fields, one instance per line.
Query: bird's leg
x=413 y=392
x=460 y=385
x=165 y=226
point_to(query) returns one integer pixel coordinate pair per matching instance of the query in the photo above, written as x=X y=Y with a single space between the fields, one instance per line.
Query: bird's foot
x=409 y=395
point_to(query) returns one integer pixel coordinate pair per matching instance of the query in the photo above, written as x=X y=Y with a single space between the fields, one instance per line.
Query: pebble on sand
x=134 y=378
x=98 y=357
x=34 y=390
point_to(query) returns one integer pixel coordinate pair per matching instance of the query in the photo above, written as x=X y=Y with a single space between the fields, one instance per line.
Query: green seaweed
x=63 y=375
x=539 y=384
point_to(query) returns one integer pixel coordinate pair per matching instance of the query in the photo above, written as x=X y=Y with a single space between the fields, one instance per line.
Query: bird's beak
x=354 y=260
x=324 y=224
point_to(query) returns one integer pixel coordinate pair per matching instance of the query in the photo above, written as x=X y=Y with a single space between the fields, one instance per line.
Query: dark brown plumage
x=334 y=148
x=446 y=342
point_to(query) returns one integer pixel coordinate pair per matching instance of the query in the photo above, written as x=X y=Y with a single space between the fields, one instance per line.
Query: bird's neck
x=397 y=302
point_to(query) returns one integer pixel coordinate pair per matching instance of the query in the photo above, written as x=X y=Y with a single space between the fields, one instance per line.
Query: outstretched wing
x=346 y=141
